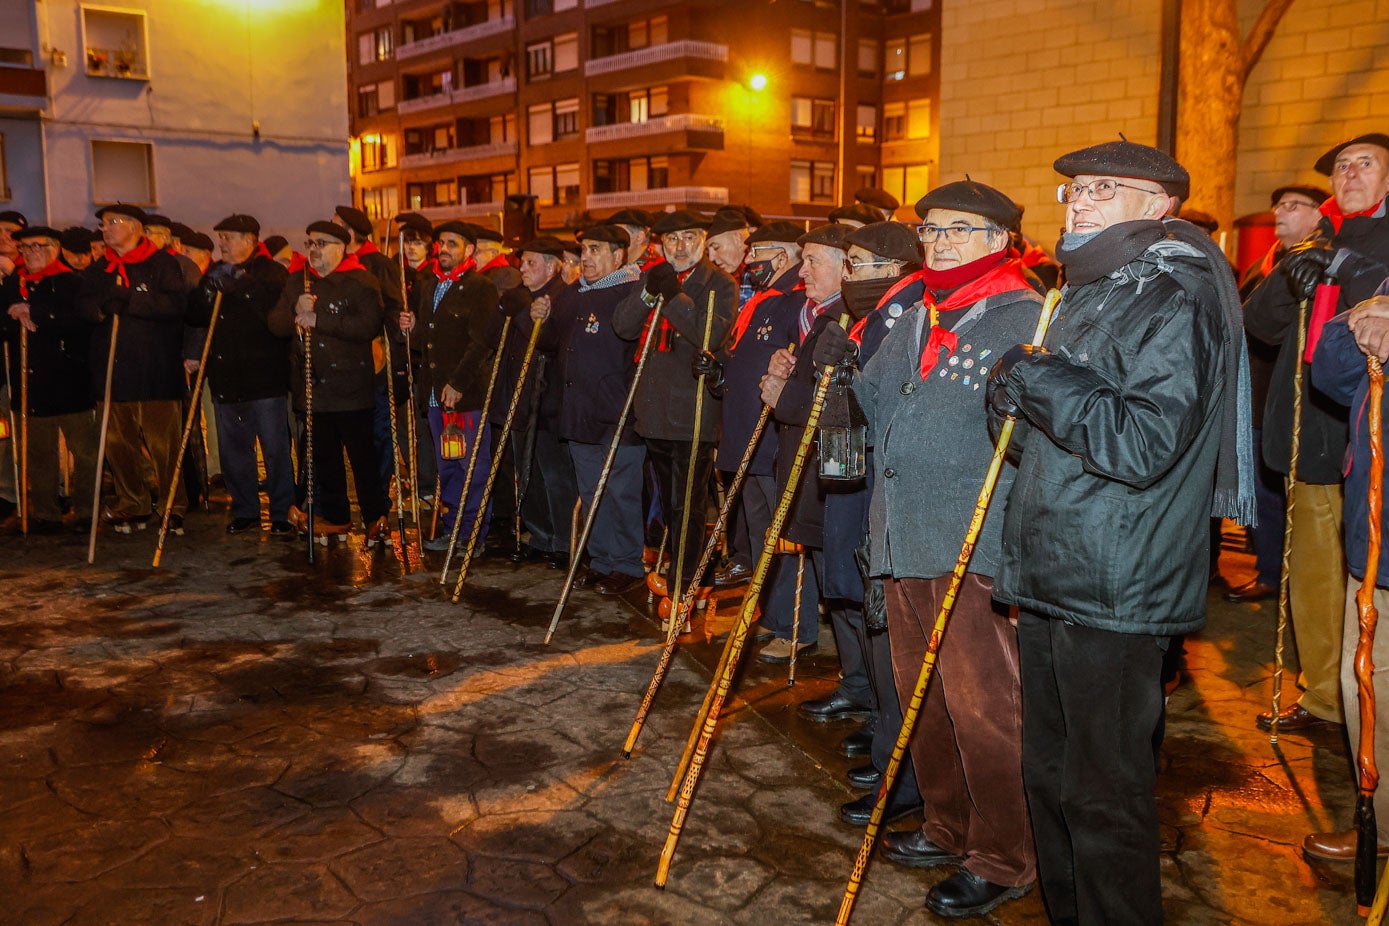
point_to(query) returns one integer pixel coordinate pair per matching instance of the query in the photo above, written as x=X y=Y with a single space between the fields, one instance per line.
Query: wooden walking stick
x=396 y=458
x=14 y=451
x=1367 y=841
x=737 y=636
x=496 y=460
x=101 y=438
x=575 y=550
x=434 y=515
x=473 y=452
x=928 y=663
x=23 y=430
x=307 y=339
x=796 y=619
x=412 y=449
x=194 y=406
x=1284 y=578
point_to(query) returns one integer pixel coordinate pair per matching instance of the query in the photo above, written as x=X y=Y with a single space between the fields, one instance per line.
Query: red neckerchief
x=856 y=333
x=498 y=261
x=650 y=258
x=1270 y=260
x=454 y=274
x=1033 y=256
x=665 y=335
x=1006 y=277
x=25 y=277
x=1332 y=210
x=116 y=263
x=350 y=262
x=262 y=251
x=428 y=265
x=366 y=248
x=740 y=326
x=297 y=261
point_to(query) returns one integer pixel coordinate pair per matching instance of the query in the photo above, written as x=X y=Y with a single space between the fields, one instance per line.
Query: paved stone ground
x=240 y=738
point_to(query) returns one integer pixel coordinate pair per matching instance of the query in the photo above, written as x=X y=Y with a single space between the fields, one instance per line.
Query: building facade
x=192 y=108
x=591 y=106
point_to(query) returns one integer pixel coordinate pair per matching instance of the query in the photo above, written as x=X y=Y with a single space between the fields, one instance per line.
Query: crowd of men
x=1139 y=419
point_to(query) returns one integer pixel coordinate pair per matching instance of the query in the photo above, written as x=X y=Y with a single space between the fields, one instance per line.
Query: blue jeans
x=616 y=542
x=451 y=473
x=239 y=426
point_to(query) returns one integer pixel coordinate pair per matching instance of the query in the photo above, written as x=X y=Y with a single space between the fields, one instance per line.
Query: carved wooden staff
x=101 y=438
x=928 y=664
x=23 y=430
x=496 y=458
x=1283 y=579
x=738 y=635
x=796 y=619
x=1367 y=841
x=194 y=406
x=397 y=459
x=471 y=466
x=412 y=450
x=14 y=432
x=576 y=551
x=306 y=335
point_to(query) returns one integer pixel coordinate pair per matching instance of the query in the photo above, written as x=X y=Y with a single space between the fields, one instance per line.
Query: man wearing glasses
x=690 y=287
x=1137 y=433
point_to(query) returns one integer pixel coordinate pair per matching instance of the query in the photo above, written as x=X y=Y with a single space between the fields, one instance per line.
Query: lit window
x=919 y=119
x=540 y=124
x=867 y=129
x=919 y=56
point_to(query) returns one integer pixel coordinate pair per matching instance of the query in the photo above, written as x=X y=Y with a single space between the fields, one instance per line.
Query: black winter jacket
x=595 y=366
x=149 y=346
x=458 y=339
x=59 y=351
x=349 y=316
x=246 y=361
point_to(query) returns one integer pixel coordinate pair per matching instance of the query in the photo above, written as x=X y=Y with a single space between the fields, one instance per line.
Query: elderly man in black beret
x=695 y=296
x=884 y=202
x=144 y=286
x=922 y=392
x=41 y=298
x=726 y=244
x=10 y=223
x=1136 y=415
x=247 y=370
x=1350 y=246
x=76 y=245
x=637 y=224
x=336 y=302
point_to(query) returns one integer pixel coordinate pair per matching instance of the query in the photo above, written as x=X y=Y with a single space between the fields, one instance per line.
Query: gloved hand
x=1305 y=264
x=662 y=280
x=707 y=365
x=996 y=390
x=515 y=302
x=833 y=346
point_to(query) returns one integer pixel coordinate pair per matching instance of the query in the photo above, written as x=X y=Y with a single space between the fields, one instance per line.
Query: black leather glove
x=1305 y=264
x=833 y=346
x=515 y=302
x=663 y=281
x=996 y=390
x=707 y=365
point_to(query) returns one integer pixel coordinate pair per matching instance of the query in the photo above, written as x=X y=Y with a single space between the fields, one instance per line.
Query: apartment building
x=192 y=108
x=591 y=106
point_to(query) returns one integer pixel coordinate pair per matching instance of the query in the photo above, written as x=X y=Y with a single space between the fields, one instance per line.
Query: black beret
x=330 y=228
x=876 y=197
x=155 y=220
x=975 y=198
x=1315 y=193
x=639 y=218
x=1327 y=162
x=275 y=244
x=465 y=230
x=613 y=234
x=680 y=220
x=779 y=231
x=545 y=244
x=356 y=220
x=125 y=209
x=14 y=218
x=418 y=225
x=1127 y=159
x=833 y=235
x=410 y=218
x=178 y=230
x=197 y=240
x=1202 y=220
x=726 y=220
x=245 y=224
x=483 y=233
x=891 y=240
x=77 y=238
x=38 y=231
x=858 y=212
x=570 y=246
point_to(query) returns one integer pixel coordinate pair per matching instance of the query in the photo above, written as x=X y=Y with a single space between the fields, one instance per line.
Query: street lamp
x=758 y=82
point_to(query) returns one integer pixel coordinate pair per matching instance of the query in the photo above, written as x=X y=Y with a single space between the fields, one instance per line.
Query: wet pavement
x=238 y=737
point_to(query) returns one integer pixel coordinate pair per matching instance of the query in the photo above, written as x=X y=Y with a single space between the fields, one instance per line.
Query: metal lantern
x=4 y=427
x=452 y=443
x=843 y=436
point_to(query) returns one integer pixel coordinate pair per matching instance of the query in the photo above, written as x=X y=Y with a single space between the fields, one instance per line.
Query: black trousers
x=752 y=515
x=547 y=505
x=336 y=433
x=670 y=461
x=1091 y=702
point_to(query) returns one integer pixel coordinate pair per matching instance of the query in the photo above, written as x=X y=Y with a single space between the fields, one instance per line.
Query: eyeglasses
x=320 y=243
x=765 y=247
x=1293 y=205
x=955 y=234
x=682 y=237
x=1099 y=191
x=36 y=248
x=855 y=264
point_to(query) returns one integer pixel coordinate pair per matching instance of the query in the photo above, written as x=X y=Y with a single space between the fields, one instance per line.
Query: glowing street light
x=758 y=82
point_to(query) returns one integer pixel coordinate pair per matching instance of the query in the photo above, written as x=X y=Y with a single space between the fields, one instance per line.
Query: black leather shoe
x=557 y=560
x=281 y=529
x=732 y=574
x=525 y=553
x=912 y=849
x=860 y=810
x=617 y=584
x=967 y=894
x=836 y=707
x=857 y=744
x=587 y=578
x=865 y=776
x=1293 y=719
x=242 y=525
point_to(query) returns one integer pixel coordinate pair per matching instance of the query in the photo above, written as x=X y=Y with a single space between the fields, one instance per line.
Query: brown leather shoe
x=1251 y=591
x=1294 y=719
x=1334 y=847
x=379 y=532
x=618 y=584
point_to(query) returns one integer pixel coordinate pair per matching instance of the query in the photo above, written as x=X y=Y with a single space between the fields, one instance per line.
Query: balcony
x=421 y=103
x=457 y=37
x=460 y=211
x=483 y=91
x=674 y=195
x=656 y=54
x=455 y=155
x=708 y=129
